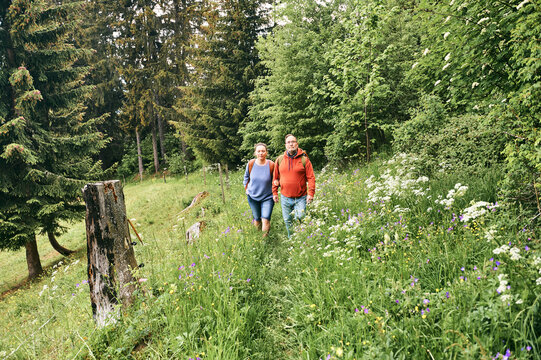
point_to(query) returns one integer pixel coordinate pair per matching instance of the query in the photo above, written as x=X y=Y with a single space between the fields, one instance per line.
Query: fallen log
x=195 y=201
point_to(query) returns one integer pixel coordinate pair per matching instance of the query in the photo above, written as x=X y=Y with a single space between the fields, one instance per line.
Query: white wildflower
x=506 y=298
x=519 y=301
x=426 y=52
x=446 y=34
x=437 y=82
x=538 y=281
x=482 y=20
x=452 y=2
x=514 y=252
x=460 y=189
x=414 y=65
x=519 y=6
x=474 y=211
x=490 y=234
x=537 y=261
x=447 y=57
x=502 y=249
x=447 y=19
x=446 y=66
x=474 y=84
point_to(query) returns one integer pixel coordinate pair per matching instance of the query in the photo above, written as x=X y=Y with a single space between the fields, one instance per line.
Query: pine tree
x=97 y=32
x=140 y=40
x=46 y=145
x=225 y=64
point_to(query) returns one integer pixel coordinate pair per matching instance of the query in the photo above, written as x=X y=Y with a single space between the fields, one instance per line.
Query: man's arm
x=275 y=180
x=310 y=176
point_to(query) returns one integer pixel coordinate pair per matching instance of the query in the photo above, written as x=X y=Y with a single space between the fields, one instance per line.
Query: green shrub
x=465 y=143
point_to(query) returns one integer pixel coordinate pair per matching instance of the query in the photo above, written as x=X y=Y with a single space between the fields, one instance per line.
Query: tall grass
x=382 y=267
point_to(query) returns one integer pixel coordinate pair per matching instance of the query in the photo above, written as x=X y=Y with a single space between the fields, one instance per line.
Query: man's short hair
x=288 y=135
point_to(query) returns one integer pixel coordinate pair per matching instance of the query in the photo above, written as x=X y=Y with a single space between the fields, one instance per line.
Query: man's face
x=291 y=144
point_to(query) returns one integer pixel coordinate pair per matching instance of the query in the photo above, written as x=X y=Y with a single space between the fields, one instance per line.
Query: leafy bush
x=465 y=143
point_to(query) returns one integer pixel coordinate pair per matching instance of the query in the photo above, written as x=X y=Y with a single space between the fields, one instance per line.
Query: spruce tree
x=46 y=144
x=225 y=64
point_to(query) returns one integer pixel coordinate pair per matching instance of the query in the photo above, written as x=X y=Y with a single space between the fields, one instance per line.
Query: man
x=292 y=171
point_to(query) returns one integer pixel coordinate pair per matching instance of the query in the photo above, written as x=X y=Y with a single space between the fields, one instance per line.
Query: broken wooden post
x=221 y=181
x=109 y=250
x=194 y=231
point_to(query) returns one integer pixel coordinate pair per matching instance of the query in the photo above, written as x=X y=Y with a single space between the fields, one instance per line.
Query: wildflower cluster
x=397 y=180
x=458 y=191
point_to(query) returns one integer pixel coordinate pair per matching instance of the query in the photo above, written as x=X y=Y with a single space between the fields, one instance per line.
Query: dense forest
x=98 y=89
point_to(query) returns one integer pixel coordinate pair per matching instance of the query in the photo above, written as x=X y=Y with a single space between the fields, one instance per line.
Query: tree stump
x=109 y=250
x=194 y=231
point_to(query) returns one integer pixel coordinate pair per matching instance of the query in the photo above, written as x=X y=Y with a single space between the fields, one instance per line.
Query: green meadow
x=388 y=264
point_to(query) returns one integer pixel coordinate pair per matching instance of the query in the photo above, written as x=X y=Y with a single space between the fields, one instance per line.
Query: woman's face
x=261 y=152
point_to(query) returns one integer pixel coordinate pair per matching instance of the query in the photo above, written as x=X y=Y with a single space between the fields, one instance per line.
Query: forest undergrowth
x=388 y=264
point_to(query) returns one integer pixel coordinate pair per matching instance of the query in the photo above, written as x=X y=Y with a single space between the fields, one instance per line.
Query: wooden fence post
x=221 y=181
x=109 y=250
x=227 y=176
x=204 y=175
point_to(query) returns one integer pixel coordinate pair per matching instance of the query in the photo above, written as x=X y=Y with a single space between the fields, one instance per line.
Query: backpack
x=250 y=167
x=281 y=157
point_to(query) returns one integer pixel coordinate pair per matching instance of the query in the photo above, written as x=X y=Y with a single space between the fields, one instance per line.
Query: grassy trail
x=387 y=264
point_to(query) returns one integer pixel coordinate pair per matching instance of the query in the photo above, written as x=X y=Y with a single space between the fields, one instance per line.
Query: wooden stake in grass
x=227 y=175
x=205 y=175
x=186 y=173
x=221 y=181
x=164 y=170
x=111 y=259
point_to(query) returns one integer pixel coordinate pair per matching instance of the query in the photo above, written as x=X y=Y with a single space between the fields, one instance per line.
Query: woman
x=258 y=185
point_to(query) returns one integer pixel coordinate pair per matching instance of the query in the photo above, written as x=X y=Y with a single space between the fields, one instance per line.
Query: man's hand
x=309 y=199
x=276 y=183
x=275 y=198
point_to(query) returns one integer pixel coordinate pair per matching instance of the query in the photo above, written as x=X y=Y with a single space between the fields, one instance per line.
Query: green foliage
x=466 y=143
x=366 y=76
x=46 y=144
x=288 y=98
x=480 y=58
x=225 y=62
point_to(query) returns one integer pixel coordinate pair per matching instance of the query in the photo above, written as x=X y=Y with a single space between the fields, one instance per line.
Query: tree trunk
x=32 y=259
x=62 y=250
x=111 y=259
x=160 y=128
x=139 y=156
x=155 y=147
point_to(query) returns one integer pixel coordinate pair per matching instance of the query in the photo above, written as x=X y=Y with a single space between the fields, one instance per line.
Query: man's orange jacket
x=293 y=176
